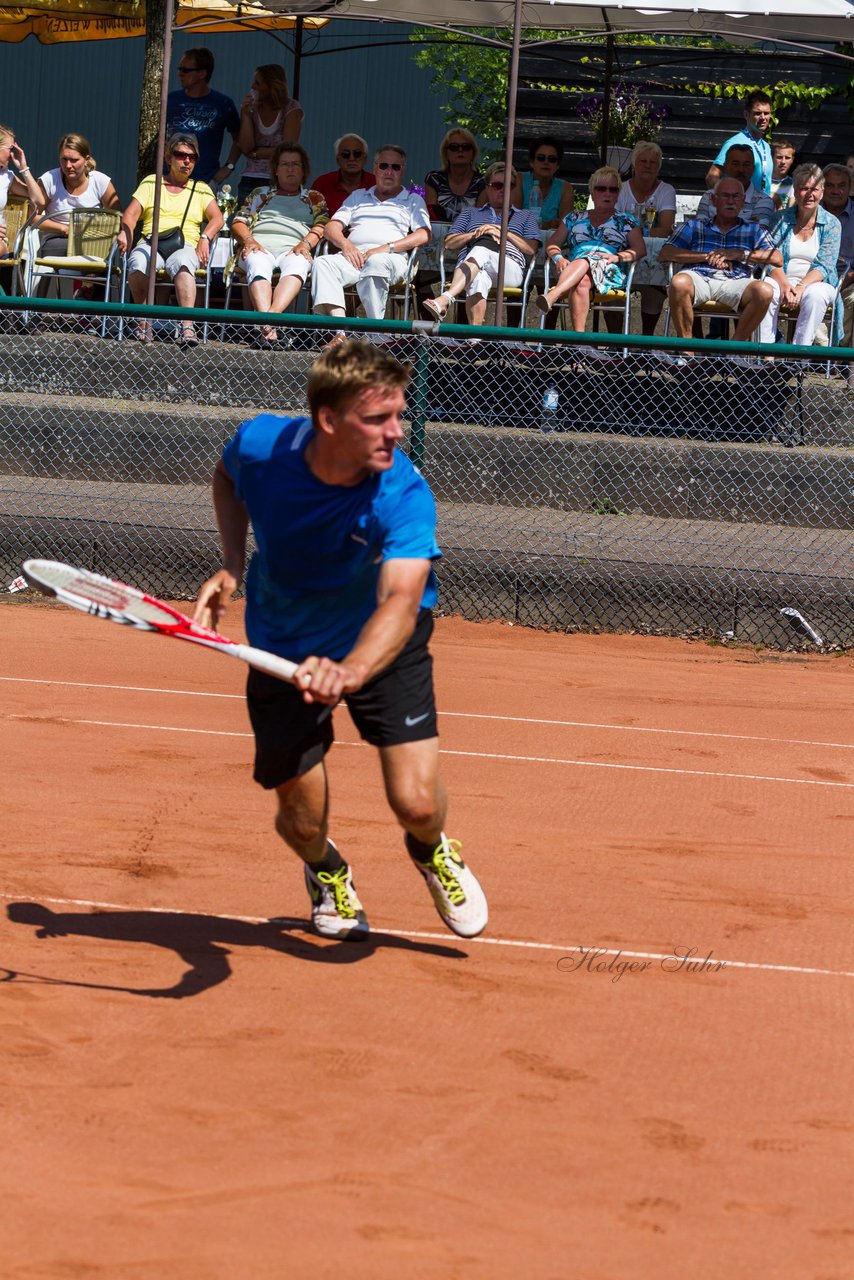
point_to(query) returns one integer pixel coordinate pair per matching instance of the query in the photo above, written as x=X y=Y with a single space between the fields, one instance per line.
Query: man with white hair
x=351 y=153
x=373 y=232
x=717 y=257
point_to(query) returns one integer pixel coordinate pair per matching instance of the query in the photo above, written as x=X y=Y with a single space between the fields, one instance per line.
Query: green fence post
x=419 y=401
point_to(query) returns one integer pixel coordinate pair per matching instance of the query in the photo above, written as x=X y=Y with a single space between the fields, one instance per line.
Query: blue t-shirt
x=763 y=161
x=208 y=118
x=312 y=582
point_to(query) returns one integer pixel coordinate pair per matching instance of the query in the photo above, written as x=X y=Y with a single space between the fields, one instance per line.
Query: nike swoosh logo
x=411 y=720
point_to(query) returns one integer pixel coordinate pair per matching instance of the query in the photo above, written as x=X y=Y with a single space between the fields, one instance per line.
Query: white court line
x=460 y=715
x=476 y=755
x=441 y=937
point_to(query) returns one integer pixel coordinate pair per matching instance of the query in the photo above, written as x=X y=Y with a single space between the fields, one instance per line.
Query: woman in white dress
x=268 y=116
x=809 y=238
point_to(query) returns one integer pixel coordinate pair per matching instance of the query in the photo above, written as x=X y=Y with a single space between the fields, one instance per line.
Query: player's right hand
x=213 y=599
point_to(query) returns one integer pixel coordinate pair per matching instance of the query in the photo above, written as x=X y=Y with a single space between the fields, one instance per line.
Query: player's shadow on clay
x=202 y=942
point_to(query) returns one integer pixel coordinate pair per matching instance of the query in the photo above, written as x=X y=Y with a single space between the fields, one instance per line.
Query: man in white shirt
x=373 y=232
x=757 y=206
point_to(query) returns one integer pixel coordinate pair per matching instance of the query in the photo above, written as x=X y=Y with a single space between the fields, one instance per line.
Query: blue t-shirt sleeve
x=410 y=520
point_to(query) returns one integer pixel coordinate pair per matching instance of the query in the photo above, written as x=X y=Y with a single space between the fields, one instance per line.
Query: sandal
x=143 y=331
x=339 y=339
x=185 y=335
x=437 y=307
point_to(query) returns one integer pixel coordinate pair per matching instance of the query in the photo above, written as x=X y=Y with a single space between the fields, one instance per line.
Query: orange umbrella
x=67 y=21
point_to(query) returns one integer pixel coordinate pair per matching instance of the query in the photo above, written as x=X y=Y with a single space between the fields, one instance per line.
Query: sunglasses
x=185 y=71
x=459 y=146
x=390 y=164
x=497 y=186
x=546 y=159
x=616 y=190
x=351 y=155
x=184 y=155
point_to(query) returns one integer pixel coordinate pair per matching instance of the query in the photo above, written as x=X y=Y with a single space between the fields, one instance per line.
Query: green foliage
x=471 y=78
x=786 y=93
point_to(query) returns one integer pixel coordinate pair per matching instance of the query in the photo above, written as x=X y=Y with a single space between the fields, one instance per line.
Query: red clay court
x=197 y=1088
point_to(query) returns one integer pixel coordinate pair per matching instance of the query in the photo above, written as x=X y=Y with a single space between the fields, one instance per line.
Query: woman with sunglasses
x=449 y=190
x=278 y=229
x=557 y=195
x=475 y=237
x=185 y=204
x=602 y=244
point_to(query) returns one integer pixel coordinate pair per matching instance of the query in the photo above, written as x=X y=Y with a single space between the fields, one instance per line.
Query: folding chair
x=202 y=278
x=512 y=293
x=614 y=300
x=92 y=252
x=719 y=309
x=17 y=217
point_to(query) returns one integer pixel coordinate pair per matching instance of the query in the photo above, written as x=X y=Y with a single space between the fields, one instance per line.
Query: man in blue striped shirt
x=476 y=236
x=720 y=254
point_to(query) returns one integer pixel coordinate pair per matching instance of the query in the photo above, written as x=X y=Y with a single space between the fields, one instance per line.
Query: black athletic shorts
x=292 y=736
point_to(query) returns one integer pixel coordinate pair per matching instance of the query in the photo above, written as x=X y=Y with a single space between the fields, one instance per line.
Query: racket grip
x=271 y=663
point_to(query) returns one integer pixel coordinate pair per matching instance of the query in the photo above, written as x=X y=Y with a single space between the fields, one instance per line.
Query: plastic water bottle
x=551 y=404
x=535 y=201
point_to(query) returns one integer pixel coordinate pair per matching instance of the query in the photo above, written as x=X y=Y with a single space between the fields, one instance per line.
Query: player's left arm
x=399 y=593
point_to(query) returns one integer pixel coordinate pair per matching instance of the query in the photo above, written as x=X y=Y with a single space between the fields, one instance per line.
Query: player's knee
x=298 y=829
x=417 y=809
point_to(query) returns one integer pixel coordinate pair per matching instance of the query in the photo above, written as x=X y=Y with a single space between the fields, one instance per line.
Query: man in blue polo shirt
x=757 y=121
x=718 y=256
x=341 y=583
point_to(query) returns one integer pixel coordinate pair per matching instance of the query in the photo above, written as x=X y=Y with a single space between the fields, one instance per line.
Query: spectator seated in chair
x=185 y=204
x=351 y=152
x=457 y=185
x=384 y=225
x=475 y=236
x=809 y=238
x=838 y=202
x=757 y=206
x=278 y=229
x=718 y=256
x=20 y=186
x=602 y=244
x=653 y=203
x=76 y=184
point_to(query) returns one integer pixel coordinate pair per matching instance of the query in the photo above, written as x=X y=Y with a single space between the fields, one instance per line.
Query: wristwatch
x=228 y=166
x=745 y=255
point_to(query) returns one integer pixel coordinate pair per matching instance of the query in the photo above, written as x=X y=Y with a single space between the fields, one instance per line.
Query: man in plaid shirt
x=720 y=254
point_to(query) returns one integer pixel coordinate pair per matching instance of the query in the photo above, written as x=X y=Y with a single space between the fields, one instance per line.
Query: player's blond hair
x=342 y=373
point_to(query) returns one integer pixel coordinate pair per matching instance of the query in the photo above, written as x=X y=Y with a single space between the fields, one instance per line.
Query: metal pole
x=161 y=148
x=508 y=158
x=298 y=30
x=606 y=99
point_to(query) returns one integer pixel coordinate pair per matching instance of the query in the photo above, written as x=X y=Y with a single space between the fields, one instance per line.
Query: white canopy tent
x=778 y=25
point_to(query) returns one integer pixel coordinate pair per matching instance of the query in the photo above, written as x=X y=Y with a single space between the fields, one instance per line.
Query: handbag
x=169 y=242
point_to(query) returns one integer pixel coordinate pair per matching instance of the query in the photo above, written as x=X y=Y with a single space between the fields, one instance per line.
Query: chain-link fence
x=583 y=483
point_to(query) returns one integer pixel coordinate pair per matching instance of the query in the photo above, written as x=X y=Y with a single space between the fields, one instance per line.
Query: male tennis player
x=341 y=583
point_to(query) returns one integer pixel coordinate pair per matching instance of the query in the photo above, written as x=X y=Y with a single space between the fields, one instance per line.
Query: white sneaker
x=336 y=911
x=455 y=890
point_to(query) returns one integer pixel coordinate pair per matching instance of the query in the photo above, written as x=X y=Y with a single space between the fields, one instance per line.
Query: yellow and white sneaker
x=455 y=890
x=336 y=911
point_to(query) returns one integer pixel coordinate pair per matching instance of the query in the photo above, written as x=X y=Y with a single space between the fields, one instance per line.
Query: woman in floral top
x=602 y=244
x=278 y=229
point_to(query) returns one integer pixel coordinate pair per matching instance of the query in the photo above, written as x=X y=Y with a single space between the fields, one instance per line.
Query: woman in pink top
x=268 y=116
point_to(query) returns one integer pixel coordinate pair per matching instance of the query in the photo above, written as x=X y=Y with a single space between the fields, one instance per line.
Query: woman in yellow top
x=185 y=205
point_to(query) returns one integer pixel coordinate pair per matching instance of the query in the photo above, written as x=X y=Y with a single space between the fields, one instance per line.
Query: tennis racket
x=102 y=597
